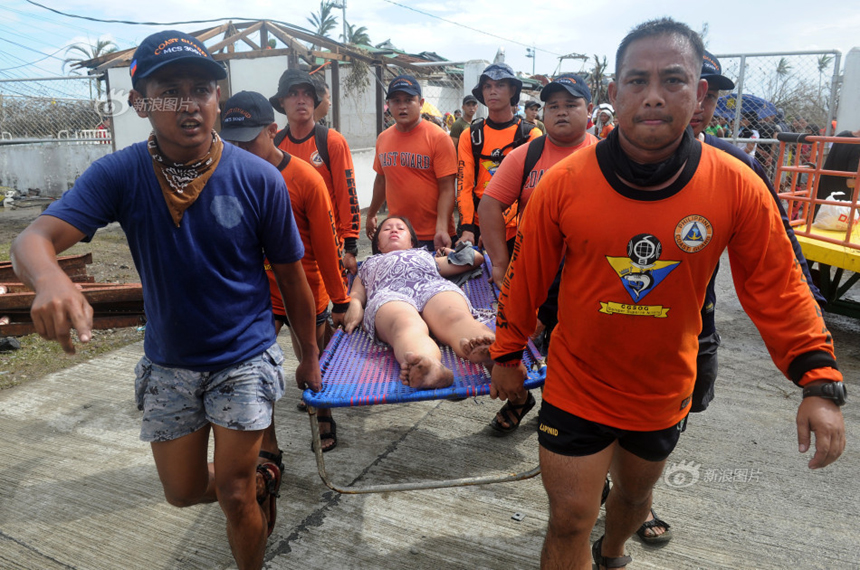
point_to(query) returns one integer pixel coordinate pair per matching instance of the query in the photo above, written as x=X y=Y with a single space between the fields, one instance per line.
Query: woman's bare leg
x=450 y=320
x=400 y=325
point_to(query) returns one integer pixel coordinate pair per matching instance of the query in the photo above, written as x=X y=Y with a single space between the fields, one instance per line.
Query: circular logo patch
x=644 y=250
x=316 y=159
x=693 y=233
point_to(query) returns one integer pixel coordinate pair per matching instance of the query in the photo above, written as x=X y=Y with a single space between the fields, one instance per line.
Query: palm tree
x=323 y=21
x=90 y=51
x=356 y=36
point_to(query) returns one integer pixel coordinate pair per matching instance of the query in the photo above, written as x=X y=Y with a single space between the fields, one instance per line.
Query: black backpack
x=320 y=137
x=476 y=134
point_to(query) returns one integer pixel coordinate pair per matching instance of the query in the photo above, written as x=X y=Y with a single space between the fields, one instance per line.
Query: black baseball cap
x=573 y=84
x=712 y=71
x=469 y=99
x=529 y=104
x=289 y=79
x=405 y=84
x=171 y=46
x=246 y=114
x=498 y=72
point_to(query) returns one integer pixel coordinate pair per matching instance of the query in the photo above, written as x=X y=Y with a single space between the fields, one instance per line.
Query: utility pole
x=342 y=4
x=530 y=52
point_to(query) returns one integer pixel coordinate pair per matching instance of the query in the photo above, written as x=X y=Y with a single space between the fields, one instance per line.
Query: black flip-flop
x=654 y=538
x=332 y=435
x=512 y=412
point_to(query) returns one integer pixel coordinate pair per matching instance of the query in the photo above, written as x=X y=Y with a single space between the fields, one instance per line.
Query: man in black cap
x=249 y=122
x=325 y=149
x=415 y=169
x=532 y=108
x=470 y=106
x=199 y=217
x=483 y=146
x=567 y=109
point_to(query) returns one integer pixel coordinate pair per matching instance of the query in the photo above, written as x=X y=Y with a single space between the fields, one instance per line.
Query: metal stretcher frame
x=837 y=250
x=358 y=372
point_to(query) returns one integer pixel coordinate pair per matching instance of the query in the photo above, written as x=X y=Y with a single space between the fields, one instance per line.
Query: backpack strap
x=476 y=135
x=321 y=139
x=532 y=156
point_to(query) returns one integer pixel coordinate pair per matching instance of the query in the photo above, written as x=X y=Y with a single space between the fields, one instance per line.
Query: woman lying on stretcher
x=407 y=297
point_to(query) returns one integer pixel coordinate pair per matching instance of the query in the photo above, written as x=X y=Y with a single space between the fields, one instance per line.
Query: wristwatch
x=835 y=391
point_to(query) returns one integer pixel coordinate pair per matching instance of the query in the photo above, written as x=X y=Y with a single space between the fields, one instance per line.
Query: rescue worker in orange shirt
x=249 y=123
x=567 y=108
x=644 y=231
x=415 y=168
x=483 y=146
x=298 y=98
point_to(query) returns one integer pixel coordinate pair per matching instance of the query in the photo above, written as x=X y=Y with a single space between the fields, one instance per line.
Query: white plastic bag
x=834 y=218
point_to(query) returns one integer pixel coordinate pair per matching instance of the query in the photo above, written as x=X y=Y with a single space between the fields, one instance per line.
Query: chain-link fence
x=52 y=109
x=777 y=92
x=797 y=89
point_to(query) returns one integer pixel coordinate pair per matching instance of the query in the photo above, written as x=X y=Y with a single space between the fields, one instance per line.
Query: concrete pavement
x=79 y=490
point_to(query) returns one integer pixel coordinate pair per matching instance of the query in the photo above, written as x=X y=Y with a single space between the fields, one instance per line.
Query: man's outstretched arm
x=59 y=305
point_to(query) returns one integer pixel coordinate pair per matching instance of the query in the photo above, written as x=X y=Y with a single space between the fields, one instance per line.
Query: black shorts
x=566 y=434
x=321 y=318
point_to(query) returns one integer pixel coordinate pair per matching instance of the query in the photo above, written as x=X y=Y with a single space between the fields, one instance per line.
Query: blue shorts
x=177 y=402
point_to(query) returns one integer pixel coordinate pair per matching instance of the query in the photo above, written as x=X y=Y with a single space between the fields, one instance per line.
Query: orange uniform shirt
x=634 y=281
x=412 y=164
x=469 y=188
x=323 y=260
x=340 y=181
x=506 y=185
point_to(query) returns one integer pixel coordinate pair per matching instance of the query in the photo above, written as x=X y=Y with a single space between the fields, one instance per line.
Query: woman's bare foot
x=424 y=373
x=477 y=349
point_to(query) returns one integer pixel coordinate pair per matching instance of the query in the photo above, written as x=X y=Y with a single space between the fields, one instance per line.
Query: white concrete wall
x=848 y=114
x=50 y=167
x=128 y=128
x=259 y=74
x=362 y=160
x=358 y=111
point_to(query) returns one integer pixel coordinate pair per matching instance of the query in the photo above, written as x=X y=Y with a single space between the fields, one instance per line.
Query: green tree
x=85 y=52
x=356 y=36
x=323 y=21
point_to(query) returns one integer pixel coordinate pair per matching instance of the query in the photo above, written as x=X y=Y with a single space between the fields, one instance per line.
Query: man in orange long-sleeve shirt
x=297 y=98
x=643 y=231
x=249 y=122
x=498 y=89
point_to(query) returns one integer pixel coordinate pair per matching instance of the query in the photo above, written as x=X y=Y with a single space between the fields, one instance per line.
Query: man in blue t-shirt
x=199 y=217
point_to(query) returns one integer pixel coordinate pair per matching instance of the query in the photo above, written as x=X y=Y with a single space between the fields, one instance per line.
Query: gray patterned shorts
x=176 y=402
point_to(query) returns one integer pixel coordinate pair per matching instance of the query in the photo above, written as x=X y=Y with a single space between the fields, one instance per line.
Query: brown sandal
x=271 y=472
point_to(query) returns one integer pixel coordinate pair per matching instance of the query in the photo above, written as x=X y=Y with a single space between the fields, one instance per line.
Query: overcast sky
x=33 y=40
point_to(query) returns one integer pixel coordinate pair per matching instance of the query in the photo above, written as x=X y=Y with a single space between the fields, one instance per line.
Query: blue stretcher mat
x=358 y=372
